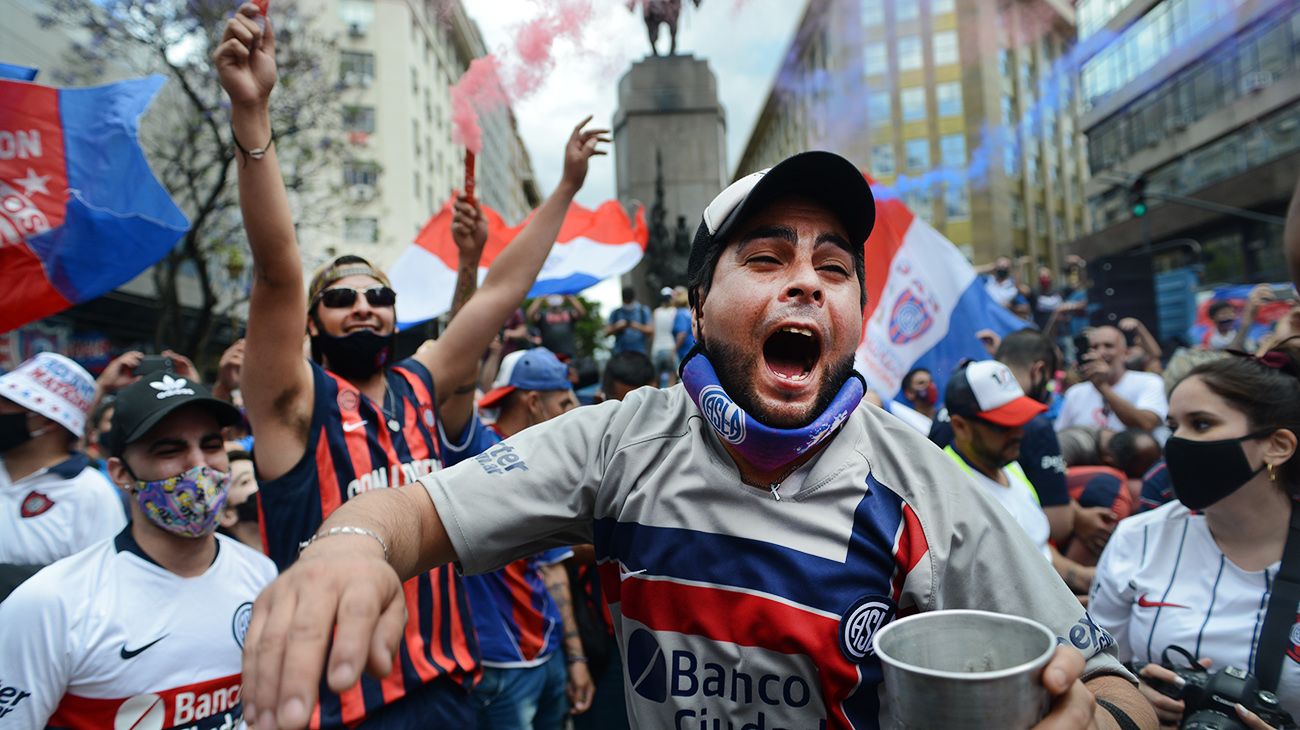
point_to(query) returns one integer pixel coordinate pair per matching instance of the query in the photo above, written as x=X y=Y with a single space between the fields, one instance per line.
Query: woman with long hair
x=1197 y=573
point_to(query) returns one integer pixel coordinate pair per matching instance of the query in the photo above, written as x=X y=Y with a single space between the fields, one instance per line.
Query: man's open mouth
x=791 y=352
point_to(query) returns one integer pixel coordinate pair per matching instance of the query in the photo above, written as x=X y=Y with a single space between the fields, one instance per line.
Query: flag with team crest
x=924 y=302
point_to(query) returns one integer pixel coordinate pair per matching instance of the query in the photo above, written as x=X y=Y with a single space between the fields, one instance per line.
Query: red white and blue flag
x=80 y=211
x=924 y=302
x=593 y=245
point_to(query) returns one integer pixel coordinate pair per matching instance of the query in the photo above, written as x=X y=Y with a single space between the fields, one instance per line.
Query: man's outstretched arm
x=453 y=359
x=277 y=385
x=340 y=587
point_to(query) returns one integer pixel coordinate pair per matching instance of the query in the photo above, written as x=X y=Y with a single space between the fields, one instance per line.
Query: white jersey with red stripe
x=731 y=606
x=1163 y=580
x=107 y=638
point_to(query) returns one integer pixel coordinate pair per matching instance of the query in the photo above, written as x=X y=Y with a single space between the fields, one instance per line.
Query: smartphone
x=1082 y=345
x=154 y=363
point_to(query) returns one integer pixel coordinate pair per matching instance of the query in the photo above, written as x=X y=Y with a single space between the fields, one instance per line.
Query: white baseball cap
x=53 y=386
x=987 y=390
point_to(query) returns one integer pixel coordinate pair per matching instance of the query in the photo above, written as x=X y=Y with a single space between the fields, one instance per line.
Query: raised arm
x=453 y=359
x=277 y=387
x=469 y=230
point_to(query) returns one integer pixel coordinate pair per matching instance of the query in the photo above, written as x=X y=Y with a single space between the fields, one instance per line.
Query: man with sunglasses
x=989 y=411
x=351 y=420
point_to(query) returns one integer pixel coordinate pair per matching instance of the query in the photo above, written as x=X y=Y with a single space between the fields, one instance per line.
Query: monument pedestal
x=668 y=109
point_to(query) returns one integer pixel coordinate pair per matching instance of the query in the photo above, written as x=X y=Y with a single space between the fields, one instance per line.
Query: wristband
x=575 y=659
x=256 y=153
x=1121 y=718
x=348 y=530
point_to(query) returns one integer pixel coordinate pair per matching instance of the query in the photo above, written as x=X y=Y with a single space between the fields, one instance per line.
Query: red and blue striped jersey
x=517 y=621
x=353 y=448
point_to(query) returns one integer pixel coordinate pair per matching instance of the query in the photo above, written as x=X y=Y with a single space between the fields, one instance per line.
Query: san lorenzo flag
x=924 y=302
x=80 y=210
x=593 y=245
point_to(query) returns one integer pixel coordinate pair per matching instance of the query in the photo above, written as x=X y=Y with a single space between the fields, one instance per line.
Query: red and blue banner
x=593 y=245
x=80 y=211
x=924 y=302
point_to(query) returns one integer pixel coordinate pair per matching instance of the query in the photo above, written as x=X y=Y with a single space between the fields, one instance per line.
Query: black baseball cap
x=822 y=176
x=143 y=404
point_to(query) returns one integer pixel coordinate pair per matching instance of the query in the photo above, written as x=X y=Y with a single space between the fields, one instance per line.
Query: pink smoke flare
x=488 y=85
x=478 y=90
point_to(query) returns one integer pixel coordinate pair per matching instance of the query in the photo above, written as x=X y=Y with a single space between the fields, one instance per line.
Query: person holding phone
x=1111 y=396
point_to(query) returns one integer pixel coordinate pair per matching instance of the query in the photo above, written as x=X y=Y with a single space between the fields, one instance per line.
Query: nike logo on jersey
x=1144 y=603
x=350 y=427
x=131 y=653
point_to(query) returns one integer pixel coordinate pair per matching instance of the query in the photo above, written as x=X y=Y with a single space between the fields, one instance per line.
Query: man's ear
x=117 y=471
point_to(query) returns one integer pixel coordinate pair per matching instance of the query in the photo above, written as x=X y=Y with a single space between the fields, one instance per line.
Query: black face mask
x=246 y=511
x=356 y=356
x=1204 y=472
x=1000 y=273
x=13 y=431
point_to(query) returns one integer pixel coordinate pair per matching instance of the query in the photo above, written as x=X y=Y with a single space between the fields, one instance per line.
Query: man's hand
x=1073 y=706
x=183 y=366
x=580 y=688
x=245 y=58
x=469 y=228
x=229 y=369
x=1093 y=526
x=1168 y=709
x=341 y=591
x=1096 y=371
x=989 y=339
x=1131 y=324
x=580 y=148
x=120 y=373
x=1259 y=296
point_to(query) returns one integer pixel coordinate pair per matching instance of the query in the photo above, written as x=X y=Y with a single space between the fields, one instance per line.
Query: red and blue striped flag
x=80 y=211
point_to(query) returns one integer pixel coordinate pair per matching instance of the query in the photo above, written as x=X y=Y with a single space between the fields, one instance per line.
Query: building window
x=359 y=119
x=1040 y=220
x=939 y=7
x=1010 y=158
x=918 y=153
x=882 y=159
x=909 y=51
x=875 y=59
x=956 y=202
x=906 y=10
x=913 y=103
x=919 y=202
x=361 y=230
x=945 y=47
x=952 y=150
x=873 y=12
x=948 y=98
x=1017 y=214
x=356 y=68
x=878 y=107
x=360 y=173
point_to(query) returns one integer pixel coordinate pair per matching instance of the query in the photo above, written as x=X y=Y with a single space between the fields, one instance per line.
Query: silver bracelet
x=348 y=530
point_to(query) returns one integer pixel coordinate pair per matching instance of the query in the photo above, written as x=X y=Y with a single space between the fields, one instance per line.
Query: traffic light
x=1137 y=196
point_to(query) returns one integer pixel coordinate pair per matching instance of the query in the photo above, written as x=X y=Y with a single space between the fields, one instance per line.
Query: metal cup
x=964 y=669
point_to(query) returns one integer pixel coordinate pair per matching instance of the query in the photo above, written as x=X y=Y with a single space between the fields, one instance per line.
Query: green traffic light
x=1139 y=210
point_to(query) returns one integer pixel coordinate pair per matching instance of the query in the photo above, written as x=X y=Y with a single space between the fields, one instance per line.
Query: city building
x=963 y=108
x=397 y=61
x=1201 y=98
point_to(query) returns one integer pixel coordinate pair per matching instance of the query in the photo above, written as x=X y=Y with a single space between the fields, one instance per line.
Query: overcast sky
x=743 y=41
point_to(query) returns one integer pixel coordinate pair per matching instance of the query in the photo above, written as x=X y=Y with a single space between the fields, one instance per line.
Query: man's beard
x=730 y=364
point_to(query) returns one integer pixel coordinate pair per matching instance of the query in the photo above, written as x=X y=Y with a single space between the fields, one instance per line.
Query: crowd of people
x=713 y=543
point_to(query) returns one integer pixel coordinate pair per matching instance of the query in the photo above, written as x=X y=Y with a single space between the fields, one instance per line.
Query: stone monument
x=670 y=133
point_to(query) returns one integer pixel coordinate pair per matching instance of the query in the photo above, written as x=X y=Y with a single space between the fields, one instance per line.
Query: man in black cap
x=144 y=629
x=754 y=527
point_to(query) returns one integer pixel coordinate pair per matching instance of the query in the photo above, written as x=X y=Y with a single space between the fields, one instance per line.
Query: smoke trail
x=491 y=82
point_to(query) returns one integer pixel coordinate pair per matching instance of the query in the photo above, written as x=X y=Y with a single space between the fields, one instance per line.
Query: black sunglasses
x=343 y=297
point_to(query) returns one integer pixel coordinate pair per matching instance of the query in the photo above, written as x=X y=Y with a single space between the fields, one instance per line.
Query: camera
x=1209 y=697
